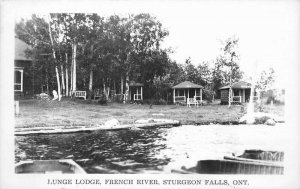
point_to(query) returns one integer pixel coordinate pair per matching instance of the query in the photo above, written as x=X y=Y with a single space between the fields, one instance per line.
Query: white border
x=8 y=179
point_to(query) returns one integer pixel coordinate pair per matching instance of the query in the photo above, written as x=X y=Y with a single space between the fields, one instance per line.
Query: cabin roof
x=135 y=84
x=20 y=48
x=187 y=85
x=238 y=85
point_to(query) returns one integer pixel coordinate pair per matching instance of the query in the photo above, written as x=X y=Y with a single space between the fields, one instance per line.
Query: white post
x=174 y=96
x=141 y=93
x=21 y=80
x=188 y=93
x=184 y=94
x=201 y=94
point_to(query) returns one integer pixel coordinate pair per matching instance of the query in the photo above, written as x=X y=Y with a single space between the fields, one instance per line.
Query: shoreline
x=74 y=114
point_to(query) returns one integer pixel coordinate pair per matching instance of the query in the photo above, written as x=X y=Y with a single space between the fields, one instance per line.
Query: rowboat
x=250 y=162
x=63 y=166
x=240 y=166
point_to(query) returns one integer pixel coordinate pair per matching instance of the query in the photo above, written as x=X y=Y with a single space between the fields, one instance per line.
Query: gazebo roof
x=135 y=84
x=187 y=85
x=238 y=85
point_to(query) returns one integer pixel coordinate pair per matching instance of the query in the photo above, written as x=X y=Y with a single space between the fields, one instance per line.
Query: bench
x=97 y=94
x=82 y=94
x=191 y=101
x=198 y=99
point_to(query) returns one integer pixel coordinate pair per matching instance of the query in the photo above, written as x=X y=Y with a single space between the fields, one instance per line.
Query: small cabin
x=187 y=90
x=240 y=93
x=135 y=91
x=23 y=76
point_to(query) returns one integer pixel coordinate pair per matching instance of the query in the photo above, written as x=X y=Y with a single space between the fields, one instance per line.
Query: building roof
x=20 y=48
x=187 y=85
x=135 y=84
x=238 y=85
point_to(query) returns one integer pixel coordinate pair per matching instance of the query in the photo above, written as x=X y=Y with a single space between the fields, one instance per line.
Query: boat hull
x=65 y=166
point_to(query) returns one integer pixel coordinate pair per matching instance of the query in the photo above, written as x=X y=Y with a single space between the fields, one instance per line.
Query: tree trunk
x=67 y=76
x=74 y=49
x=91 y=84
x=104 y=88
x=107 y=91
x=47 y=82
x=54 y=57
x=114 y=85
x=58 y=83
x=230 y=88
x=122 y=85
x=127 y=87
x=71 y=82
x=63 y=80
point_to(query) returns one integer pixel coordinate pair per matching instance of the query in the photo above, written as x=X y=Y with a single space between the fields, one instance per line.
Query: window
x=18 y=80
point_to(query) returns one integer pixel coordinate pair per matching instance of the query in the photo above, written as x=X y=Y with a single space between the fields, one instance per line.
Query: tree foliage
x=106 y=52
x=266 y=79
x=227 y=69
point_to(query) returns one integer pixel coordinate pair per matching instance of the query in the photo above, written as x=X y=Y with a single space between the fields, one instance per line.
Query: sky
x=268 y=31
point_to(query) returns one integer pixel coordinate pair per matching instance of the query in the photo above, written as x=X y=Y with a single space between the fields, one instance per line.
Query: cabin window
x=18 y=80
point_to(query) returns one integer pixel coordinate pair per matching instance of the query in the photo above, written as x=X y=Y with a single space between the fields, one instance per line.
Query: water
x=149 y=150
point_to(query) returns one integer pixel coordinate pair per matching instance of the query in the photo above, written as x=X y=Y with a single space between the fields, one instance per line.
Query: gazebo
x=187 y=90
x=240 y=93
x=135 y=91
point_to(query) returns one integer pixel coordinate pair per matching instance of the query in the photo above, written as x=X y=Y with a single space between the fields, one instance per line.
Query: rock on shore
x=260 y=118
x=112 y=122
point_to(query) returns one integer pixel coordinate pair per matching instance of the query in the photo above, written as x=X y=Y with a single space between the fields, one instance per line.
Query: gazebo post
x=141 y=93
x=244 y=98
x=174 y=96
x=201 y=94
x=21 y=80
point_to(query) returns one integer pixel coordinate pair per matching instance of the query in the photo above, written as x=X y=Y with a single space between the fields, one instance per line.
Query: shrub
x=208 y=95
x=102 y=100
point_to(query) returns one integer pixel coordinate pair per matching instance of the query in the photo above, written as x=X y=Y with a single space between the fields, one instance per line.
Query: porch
x=135 y=91
x=187 y=93
x=240 y=93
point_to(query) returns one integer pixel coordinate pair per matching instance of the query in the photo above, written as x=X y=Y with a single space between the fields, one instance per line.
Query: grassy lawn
x=68 y=112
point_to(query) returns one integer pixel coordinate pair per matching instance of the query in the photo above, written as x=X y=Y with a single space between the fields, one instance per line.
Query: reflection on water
x=148 y=150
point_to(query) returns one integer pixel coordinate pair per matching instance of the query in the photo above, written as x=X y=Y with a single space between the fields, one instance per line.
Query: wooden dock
x=75 y=129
